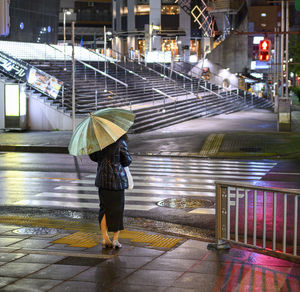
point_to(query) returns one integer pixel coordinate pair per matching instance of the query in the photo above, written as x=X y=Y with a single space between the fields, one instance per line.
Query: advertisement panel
x=25 y=72
x=44 y=82
x=158 y=56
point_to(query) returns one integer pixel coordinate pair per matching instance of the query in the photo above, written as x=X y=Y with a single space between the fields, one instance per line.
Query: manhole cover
x=250 y=149
x=37 y=231
x=185 y=203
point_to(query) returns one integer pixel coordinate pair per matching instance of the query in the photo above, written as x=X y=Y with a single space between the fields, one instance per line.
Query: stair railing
x=164 y=68
x=143 y=66
x=126 y=70
x=117 y=81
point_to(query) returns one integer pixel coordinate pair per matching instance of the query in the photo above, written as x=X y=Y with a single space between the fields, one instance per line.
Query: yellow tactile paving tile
x=88 y=234
x=88 y=240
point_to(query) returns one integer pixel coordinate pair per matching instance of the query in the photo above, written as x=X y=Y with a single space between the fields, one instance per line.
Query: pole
x=105 y=64
x=287 y=51
x=65 y=68
x=73 y=76
x=282 y=48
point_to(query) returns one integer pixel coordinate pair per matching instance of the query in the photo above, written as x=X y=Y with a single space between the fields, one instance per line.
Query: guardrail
x=258 y=217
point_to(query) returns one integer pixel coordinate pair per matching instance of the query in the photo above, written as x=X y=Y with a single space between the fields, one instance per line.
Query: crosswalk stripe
x=155 y=179
x=209 y=193
x=156 y=184
x=195 y=175
x=48 y=203
x=200 y=161
x=95 y=197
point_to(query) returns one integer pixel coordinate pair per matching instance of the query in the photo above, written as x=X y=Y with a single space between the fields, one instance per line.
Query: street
x=171 y=189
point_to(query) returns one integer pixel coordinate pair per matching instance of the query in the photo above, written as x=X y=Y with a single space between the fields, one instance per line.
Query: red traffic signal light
x=264 y=50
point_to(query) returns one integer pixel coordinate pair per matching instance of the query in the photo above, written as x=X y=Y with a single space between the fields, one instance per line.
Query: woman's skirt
x=112 y=205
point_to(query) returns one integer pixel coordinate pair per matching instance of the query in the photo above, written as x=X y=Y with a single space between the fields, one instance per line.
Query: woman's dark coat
x=111 y=162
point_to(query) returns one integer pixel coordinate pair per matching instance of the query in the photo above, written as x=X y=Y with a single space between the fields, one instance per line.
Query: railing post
x=63 y=96
x=274 y=221
x=295 y=225
x=96 y=99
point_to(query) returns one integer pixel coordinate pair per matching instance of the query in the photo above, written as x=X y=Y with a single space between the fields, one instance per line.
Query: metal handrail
x=164 y=65
x=246 y=198
x=93 y=68
x=116 y=64
x=150 y=69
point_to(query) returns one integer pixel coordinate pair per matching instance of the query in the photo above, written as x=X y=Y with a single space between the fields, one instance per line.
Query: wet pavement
x=244 y=134
x=50 y=253
x=45 y=255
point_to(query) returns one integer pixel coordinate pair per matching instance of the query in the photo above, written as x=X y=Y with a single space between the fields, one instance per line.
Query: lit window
x=263 y=14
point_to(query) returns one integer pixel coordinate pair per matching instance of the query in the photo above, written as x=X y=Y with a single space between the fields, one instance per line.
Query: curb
x=219 y=155
x=34 y=149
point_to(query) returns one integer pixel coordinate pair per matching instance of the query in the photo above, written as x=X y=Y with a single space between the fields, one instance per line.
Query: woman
x=111 y=181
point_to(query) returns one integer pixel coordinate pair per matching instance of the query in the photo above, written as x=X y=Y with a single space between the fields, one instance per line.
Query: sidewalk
x=239 y=135
x=42 y=254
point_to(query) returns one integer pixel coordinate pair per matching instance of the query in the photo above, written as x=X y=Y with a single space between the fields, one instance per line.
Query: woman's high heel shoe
x=116 y=244
x=106 y=244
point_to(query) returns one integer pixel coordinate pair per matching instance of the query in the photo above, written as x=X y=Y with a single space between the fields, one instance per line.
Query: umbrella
x=99 y=130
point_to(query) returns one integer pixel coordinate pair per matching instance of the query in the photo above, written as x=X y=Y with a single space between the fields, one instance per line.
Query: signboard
x=158 y=57
x=25 y=72
x=44 y=82
x=14 y=67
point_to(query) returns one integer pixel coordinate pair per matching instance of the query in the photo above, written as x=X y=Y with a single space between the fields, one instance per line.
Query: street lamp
x=105 y=41
x=66 y=12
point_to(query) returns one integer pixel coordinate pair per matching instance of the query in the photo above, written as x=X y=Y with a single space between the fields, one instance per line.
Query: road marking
x=46 y=203
x=284 y=173
x=156 y=184
x=95 y=197
x=205 y=211
x=208 y=193
x=212 y=144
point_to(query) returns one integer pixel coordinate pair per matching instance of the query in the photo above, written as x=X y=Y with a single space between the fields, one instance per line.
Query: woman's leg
x=116 y=236
x=103 y=227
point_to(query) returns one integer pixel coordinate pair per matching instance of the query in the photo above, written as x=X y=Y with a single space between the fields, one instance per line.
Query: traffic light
x=264 y=50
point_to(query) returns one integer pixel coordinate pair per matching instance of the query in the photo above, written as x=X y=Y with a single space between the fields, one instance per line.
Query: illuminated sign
x=12 y=102
x=44 y=82
x=264 y=50
x=158 y=57
x=25 y=72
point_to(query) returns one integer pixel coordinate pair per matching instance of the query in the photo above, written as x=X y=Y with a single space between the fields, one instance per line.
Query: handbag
x=129 y=178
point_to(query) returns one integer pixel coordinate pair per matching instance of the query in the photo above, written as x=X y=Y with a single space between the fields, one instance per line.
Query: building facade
x=182 y=27
x=30 y=21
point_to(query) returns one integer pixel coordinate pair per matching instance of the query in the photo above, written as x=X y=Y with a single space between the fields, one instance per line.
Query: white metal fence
x=260 y=217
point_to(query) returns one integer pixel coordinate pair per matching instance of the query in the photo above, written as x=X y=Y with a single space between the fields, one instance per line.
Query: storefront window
x=195 y=48
x=141 y=46
x=142 y=10
x=169 y=10
x=170 y=44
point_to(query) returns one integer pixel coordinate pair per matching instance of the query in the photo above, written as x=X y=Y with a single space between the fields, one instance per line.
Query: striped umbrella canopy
x=99 y=130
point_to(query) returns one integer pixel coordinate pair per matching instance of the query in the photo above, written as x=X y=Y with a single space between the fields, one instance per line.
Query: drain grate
x=37 y=231
x=183 y=203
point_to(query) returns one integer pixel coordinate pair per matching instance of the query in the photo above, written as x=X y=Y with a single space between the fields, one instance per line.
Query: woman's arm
x=125 y=157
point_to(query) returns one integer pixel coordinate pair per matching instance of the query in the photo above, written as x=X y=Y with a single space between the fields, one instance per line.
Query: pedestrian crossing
x=155 y=179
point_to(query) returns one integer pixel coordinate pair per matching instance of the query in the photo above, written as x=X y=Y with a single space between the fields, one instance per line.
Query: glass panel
x=12 y=105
